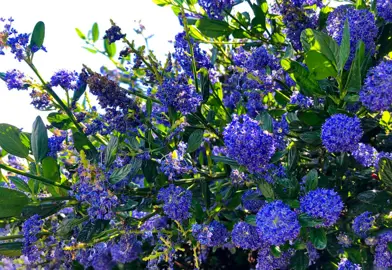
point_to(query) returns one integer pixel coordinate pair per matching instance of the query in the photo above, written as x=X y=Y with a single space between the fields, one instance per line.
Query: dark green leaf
x=11 y=141
x=292 y=158
x=20 y=184
x=38 y=36
x=195 y=140
x=12 y=249
x=344 y=51
x=43 y=209
x=91 y=229
x=385 y=171
x=311 y=137
x=287 y=188
x=267 y=190
x=81 y=143
x=307 y=221
x=11 y=202
x=213 y=28
x=354 y=80
x=50 y=169
x=79 y=92
x=258 y=22
x=319 y=65
x=311 y=180
x=39 y=140
x=128 y=206
x=111 y=150
x=225 y=160
x=95 y=32
x=299 y=261
x=128 y=170
x=390 y=246
x=266 y=122
x=205 y=85
x=318 y=237
x=149 y=168
x=60 y=121
x=312 y=117
x=251 y=219
x=235 y=201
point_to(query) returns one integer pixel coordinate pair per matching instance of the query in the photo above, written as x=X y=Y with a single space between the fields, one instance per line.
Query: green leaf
x=266 y=122
x=110 y=49
x=39 y=140
x=95 y=32
x=11 y=141
x=79 y=92
x=129 y=170
x=60 y=121
x=92 y=228
x=150 y=172
x=20 y=184
x=311 y=137
x=299 y=261
x=311 y=180
x=354 y=80
x=80 y=33
x=50 y=169
x=81 y=143
x=344 y=50
x=390 y=246
x=11 y=202
x=258 y=22
x=320 y=42
x=11 y=249
x=319 y=65
x=43 y=209
x=318 y=237
x=205 y=84
x=195 y=140
x=267 y=190
x=312 y=117
x=251 y=219
x=162 y=3
x=111 y=150
x=287 y=188
x=225 y=160
x=361 y=4
x=385 y=171
x=307 y=221
x=38 y=36
x=213 y=28
x=307 y=82
x=292 y=158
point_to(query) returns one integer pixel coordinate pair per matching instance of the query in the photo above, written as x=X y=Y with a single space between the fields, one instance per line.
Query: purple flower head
x=260 y=59
x=344 y=240
x=127 y=249
x=97 y=256
x=374 y=94
x=383 y=256
x=322 y=203
x=252 y=200
x=362 y=27
x=246 y=236
x=113 y=34
x=177 y=202
x=212 y=235
x=240 y=56
x=40 y=100
x=380 y=156
x=268 y=261
x=179 y=94
x=345 y=264
x=15 y=80
x=237 y=177
x=55 y=145
x=31 y=227
x=65 y=79
x=312 y=253
x=254 y=103
x=384 y=10
x=341 y=133
x=277 y=223
x=273 y=172
x=363 y=223
x=156 y=222
x=18 y=44
x=365 y=155
x=302 y=101
x=216 y=9
x=248 y=144
x=281 y=129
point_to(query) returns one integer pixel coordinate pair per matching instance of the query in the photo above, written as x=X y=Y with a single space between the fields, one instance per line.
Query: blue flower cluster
x=212 y=235
x=365 y=155
x=345 y=264
x=273 y=172
x=302 y=101
x=384 y=10
x=97 y=257
x=363 y=223
x=277 y=223
x=216 y=8
x=15 y=79
x=182 y=54
x=380 y=156
x=40 y=100
x=260 y=59
x=281 y=129
x=341 y=133
x=237 y=178
x=248 y=144
x=246 y=236
x=383 y=255
x=175 y=165
x=65 y=79
x=252 y=200
x=127 y=249
x=324 y=204
x=374 y=94
x=344 y=240
x=113 y=34
x=177 y=202
x=55 y=145
x=362 y=26
x=31 y=227
x=268 y=261
x=176 y=92
x=312 y=253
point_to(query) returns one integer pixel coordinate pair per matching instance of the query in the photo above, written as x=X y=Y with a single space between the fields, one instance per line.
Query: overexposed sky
x=65 y=47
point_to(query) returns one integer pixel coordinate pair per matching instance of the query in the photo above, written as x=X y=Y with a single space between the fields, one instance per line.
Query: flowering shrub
x=263 y=142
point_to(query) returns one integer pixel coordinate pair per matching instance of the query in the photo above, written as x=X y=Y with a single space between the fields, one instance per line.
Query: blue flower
x=15 y=80
x=55 y=145
x=97 y=256
x=177 y=202
x=40 y=100
x=113 y=34
x=344 y=240
x=345 y=264
x=268 y=261
x=341 y=133
x=365 y=155
x=302 y=101
x=362 y=28
x=216 y=8
x=323 y=204
x=237 y=177
x=246 y=236
x=312 y=253
x=260 y=59
x=383 y=256
x=374 y=94
x=252 y=200
x=384 y=10
x=380 y=156
x=248 y=144
x=127 y=249
x=212 y=235
x=363 y=223
x=31 y=227
x=277 y=223
x=65 y=79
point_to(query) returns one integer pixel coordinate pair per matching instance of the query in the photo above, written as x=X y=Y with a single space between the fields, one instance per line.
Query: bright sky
x=65 y=47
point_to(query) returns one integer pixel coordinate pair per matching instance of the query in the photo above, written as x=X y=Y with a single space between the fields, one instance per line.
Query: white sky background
x=65 y=47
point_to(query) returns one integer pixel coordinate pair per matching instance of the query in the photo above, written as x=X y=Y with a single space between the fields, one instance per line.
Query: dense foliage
x=262 y=142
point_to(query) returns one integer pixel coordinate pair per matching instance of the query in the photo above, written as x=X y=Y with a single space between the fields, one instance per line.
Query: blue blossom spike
x=384 y=10
x=363 y=223
x=31 y=227
x=268 y=261
x=65 y=79
x=113 y=34
x=177 y=202
x=246 y=236
x=216 y=9
x=252 y=200
x=383 y=256
x=127 y=249
x=365 y=155
x=15 y=79
x=345 y=264
x=212 y=235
